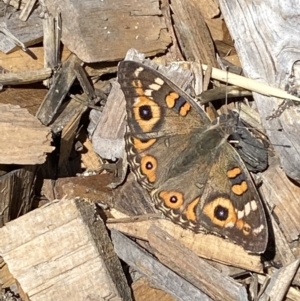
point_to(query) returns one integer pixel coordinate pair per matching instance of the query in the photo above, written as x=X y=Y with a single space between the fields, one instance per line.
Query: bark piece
x=51 y=42
x=16 y=193
x=93 y=188
x=23 y=139
x=106 y=29
x=61 y=252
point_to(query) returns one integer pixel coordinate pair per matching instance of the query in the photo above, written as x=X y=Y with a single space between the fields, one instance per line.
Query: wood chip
x=28 y=8
x=108 y=137
x=200 y=47
x=161 y=276
x=21 y=61
x=56 y=94
x=28 y=33
x=17 y=189
x=23 y=139
x=203 y=245
x=61 y=252
x=24 y=77
x=121 y=25
x=280 y=282
x=195 y=270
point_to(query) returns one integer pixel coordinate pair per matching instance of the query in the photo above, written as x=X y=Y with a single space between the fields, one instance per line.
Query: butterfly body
x=192 y=173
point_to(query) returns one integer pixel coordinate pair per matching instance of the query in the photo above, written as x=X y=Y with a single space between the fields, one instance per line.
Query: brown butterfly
x=194 y=176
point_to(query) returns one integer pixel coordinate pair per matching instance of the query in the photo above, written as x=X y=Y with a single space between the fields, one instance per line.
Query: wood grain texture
x=283 y=197
x=108 y=137
x=160 y=275
x=267 y=41
x=16 y=189
x=195 y=270
x=23 y=140
x=280 y=282
x=61 y=252
x=107 y=29
x=193 y=35
x=59 y=89
x=144 y=291
x=29 y=32
x=204 y=245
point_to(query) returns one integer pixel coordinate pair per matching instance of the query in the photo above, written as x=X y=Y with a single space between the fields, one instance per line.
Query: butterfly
x=193 y=174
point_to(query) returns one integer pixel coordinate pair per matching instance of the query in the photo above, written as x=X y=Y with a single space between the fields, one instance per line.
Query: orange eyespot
x=146 y=113
x=148 y=168
x=172 y=199
x=221 y=212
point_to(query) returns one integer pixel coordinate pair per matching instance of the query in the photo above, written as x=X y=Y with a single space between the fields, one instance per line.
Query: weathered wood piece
x=280 y=282
x=204 y=245
x=67 y=112
x=84 y=82
x=24 y=77
x=283 y=198
x=51 y=42
x=267 y=42
x=16 y=193
x=28 y=8
x=16 y=3
x=161 y=276
x=28 y=98
x=192 y=32
x=61 y=252
x=29 y=32
x=108 y=137
x=120 y=26
x=23 y=139
x=61 y=85
x=195 y=270
x=283 y=252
